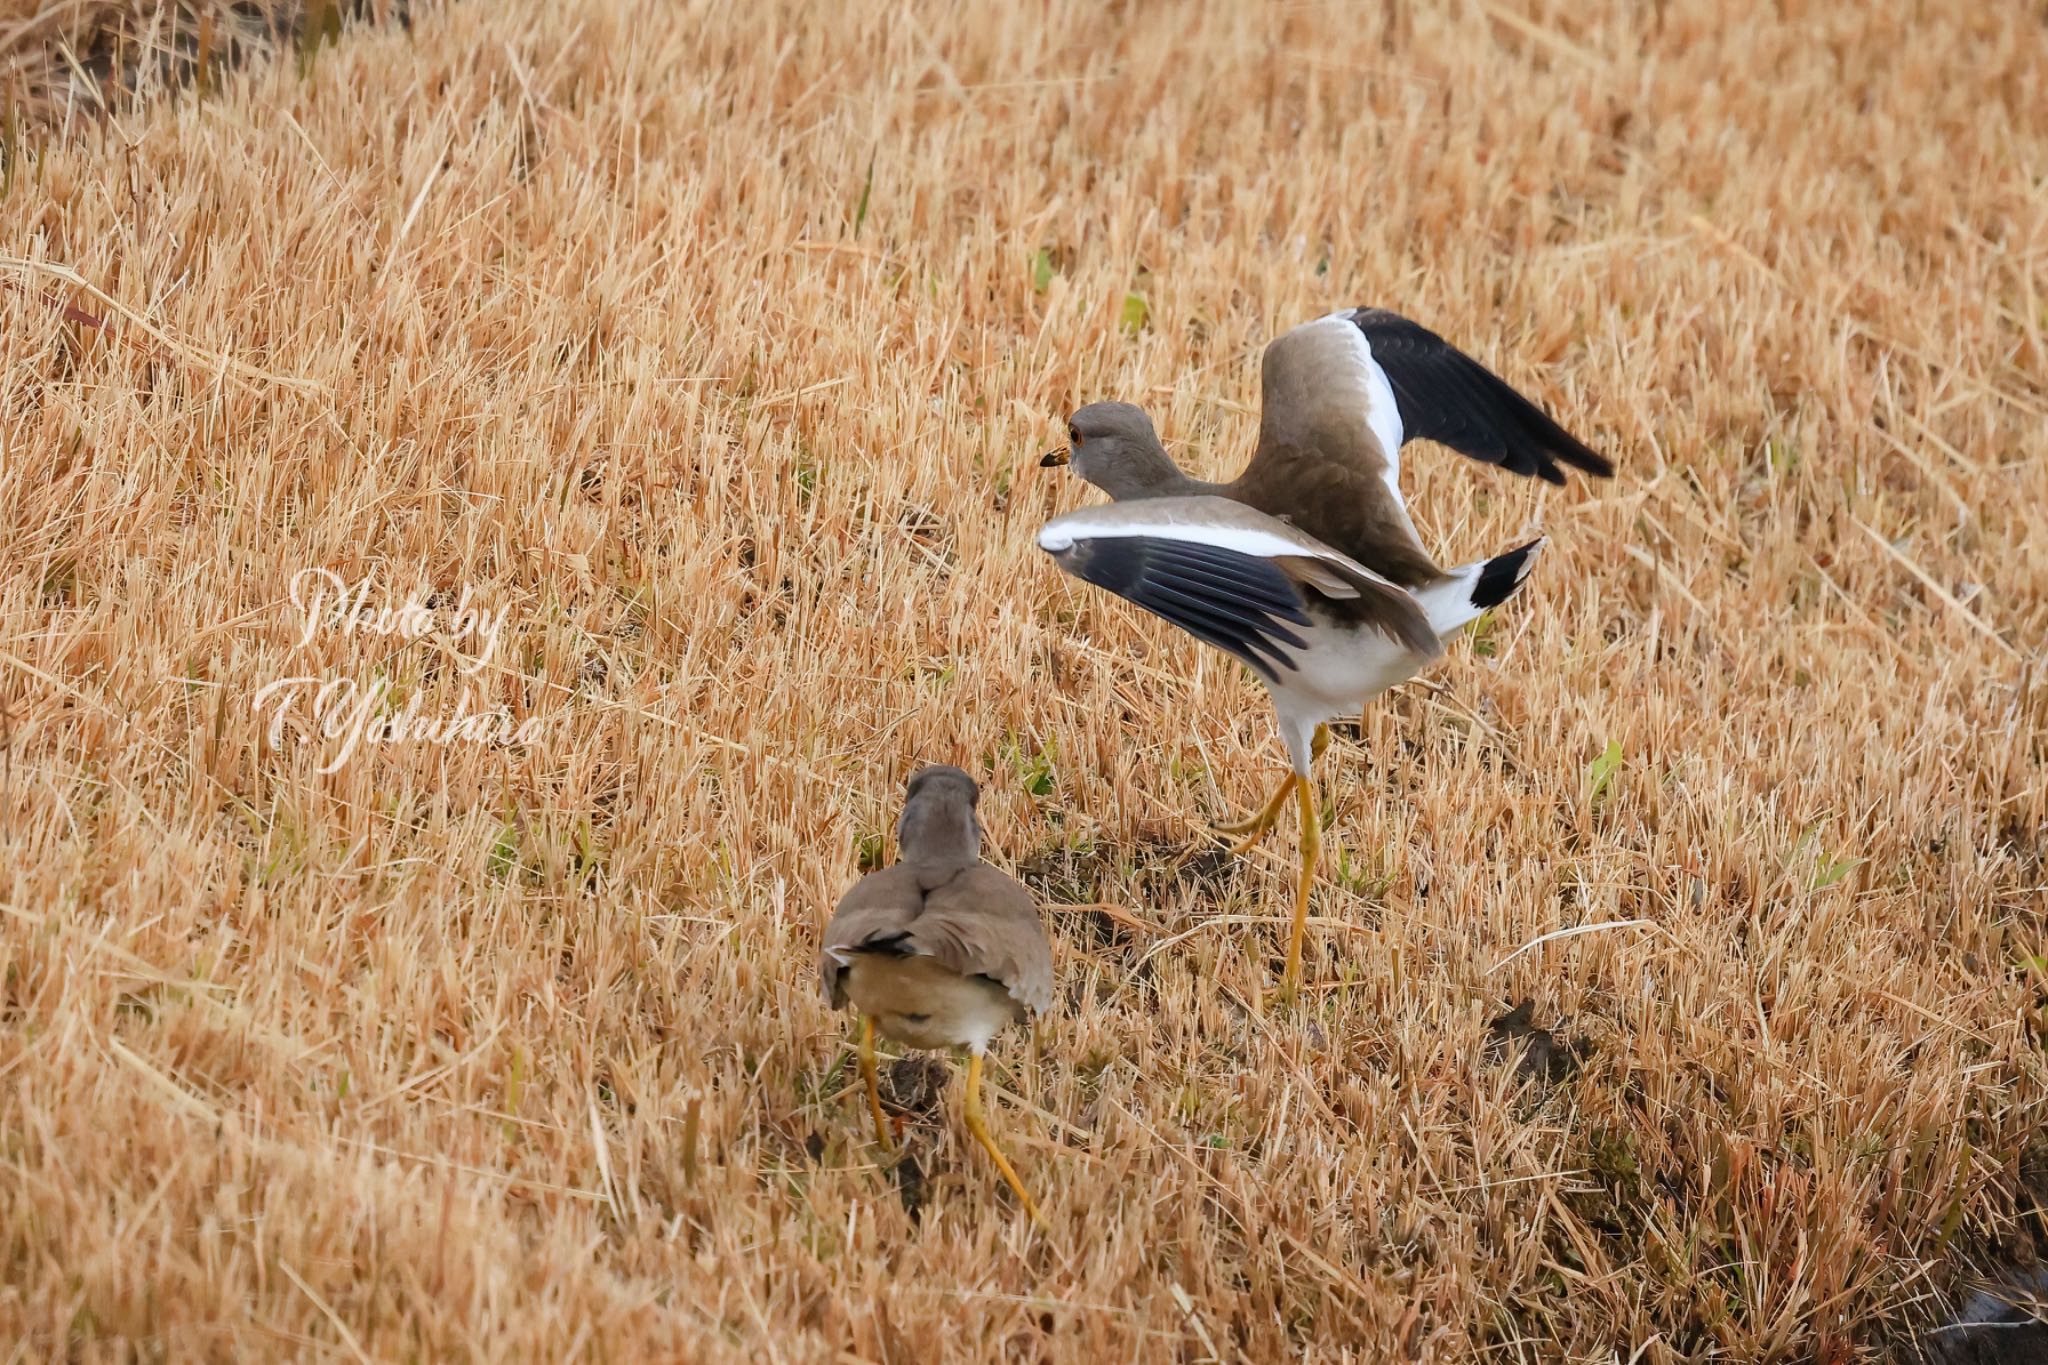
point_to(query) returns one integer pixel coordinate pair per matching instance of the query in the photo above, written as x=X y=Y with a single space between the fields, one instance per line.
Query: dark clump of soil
x=2001 y=1287
x=1542 y=1054
x=915 y=1086
x=1060 y=876
x=912 y=1186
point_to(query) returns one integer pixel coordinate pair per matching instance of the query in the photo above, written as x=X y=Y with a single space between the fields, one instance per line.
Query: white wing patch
x=1382 y=413
x=1055 y=539
x=844 y=954
x=1384 y=416
x=1058 y=535
x=1180 y=519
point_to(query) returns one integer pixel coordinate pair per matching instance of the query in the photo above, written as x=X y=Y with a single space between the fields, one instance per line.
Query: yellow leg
x=1256 y=827
x=868 y=1074
x=981 y=1135
x=1311 y=849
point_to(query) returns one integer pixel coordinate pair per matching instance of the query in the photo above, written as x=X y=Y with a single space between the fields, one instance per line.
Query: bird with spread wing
x=1307 y=566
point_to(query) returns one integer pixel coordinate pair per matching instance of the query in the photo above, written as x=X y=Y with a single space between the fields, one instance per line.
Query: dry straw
x=717 y=342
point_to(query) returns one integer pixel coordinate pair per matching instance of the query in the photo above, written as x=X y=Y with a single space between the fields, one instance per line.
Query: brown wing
x=1342 y=394
x=983 y=923
x=980 y=922
x=1317 y=390
x=1329 y=455
x=876 y=910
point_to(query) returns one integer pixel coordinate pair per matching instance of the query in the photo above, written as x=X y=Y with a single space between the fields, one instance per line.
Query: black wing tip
x=1564 y=446
x=1589 y=461
x=1553 y=444
x=1501 y=575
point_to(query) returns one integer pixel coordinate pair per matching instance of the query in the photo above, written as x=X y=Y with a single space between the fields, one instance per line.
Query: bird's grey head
x=938 y=825
x=1113 y=446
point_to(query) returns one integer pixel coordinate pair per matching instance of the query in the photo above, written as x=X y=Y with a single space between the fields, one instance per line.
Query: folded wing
x=980 y=922
x=874 y=916
x=984 y=923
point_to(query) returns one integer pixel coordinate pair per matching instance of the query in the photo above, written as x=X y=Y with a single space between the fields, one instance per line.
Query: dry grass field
x=715 y=345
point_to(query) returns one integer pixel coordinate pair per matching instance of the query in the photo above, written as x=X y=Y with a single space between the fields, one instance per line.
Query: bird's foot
x=1268 y=815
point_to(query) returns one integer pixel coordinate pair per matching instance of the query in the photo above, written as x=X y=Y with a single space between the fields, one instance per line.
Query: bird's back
x=986 y=917
x=977 y=922
x=1340 y=503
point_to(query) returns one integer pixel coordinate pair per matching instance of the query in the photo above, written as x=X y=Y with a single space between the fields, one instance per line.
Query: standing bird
x=1307 y=566
x=940 y=949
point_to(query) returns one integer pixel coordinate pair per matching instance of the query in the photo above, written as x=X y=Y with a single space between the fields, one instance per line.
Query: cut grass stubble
x=718 y=345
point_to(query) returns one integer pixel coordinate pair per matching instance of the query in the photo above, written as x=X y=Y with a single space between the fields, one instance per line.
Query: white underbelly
x=1340 y=671
x=920 y=1002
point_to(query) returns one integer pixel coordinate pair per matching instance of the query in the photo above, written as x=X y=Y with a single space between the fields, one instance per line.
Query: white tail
x=1459 y=597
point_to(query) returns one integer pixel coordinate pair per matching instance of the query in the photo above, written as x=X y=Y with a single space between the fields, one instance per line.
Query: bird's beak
x=1054 y=457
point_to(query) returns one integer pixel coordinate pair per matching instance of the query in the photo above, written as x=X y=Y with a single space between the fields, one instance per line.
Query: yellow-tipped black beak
x=1054 y=457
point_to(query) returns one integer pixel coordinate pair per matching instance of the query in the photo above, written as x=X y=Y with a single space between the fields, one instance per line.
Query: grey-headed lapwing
x=1307 y=566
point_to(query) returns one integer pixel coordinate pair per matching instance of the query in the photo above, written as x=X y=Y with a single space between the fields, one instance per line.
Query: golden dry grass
x=481 y=1052
x=66 y=62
